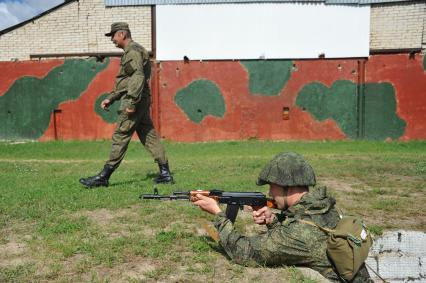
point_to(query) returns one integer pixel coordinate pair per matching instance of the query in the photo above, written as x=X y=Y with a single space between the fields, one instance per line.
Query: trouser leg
x=147 y=134
x=121 y=137
x=151 y=141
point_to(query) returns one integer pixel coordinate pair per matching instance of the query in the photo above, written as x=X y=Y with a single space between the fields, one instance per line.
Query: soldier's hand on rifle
x=105 y=104
x=207 y=204
x=263 y=216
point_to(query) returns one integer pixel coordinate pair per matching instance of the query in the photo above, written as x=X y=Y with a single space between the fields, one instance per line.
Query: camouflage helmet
x=287 y=169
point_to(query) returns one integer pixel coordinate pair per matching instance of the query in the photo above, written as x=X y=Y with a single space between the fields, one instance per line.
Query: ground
x=54 y=230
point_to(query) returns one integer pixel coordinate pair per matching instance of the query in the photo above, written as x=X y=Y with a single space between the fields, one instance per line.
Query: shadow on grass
x=129 y=182
x=148 y=177
x=215 y=246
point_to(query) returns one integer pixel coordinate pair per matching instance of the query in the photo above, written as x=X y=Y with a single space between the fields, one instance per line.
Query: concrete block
x=423 y=266
x=398 y=267
x=405 y=242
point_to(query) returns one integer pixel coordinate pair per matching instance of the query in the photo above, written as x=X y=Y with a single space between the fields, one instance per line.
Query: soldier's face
x=278 y=193
x=118 y=39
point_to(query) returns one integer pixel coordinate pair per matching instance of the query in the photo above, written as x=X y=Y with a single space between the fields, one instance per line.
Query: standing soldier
x=132 y=88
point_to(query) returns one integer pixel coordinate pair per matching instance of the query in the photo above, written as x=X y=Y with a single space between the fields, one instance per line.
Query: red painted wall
x=11 y=71
x=77 y=119
x=261 y=117
x=246 y=115
x=409 y=79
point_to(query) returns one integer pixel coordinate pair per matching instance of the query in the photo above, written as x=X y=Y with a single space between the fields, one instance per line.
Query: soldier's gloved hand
x=207 y=204
x=263 y=216
x=105 y=104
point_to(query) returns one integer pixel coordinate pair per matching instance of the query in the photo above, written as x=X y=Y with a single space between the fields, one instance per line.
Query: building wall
x=294 y=99
x=424 y=33
x=201 y=35
x=380 y=99
x=398 y=25
x=77 y=27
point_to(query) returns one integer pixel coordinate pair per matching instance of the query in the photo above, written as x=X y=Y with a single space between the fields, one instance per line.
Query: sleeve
x=134 y=69
x=280 y=245
x=114 y=96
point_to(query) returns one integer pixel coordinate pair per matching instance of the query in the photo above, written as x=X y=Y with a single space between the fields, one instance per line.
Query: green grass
x=52 y=229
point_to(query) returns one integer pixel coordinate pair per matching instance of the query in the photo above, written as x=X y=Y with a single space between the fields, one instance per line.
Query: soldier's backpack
x=348 y=245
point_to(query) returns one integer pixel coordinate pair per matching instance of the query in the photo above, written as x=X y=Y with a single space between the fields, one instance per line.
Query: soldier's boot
x=164 y=176
x=101 y=179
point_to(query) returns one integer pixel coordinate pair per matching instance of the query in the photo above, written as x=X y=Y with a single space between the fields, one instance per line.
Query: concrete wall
x=398 y=25
x=399 y=256
x=77 y=27
x=382 y=98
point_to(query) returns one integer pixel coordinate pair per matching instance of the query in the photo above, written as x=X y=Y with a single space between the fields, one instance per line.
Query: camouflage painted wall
x=54 y=99
x=326 y=99
x=224 y=100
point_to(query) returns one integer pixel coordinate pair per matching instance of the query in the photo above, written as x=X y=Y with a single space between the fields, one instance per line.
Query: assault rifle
x=233 y=200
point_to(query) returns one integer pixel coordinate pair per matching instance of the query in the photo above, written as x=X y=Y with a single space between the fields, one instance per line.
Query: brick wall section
x=424 y=31
x=75 y=28
x=79 y=27
x=397 y=25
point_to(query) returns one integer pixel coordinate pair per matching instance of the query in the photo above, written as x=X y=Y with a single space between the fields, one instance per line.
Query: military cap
x=287 y=169
x=118 y=26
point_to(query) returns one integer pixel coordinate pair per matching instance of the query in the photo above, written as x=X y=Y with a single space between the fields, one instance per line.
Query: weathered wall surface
x=326 y=99
x=55 y=99
x=397 y=25
x=77 y=27
x=399 y=256
x=224 y=100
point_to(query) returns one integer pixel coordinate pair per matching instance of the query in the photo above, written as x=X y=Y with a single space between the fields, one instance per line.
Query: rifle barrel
x=160 y=197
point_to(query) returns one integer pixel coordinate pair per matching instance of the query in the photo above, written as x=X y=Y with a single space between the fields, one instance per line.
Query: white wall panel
x=253 y=31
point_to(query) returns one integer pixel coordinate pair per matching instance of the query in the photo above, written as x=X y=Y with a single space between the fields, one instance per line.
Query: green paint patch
x=29 y=103
x=424 y=62
x=199 y=99
x=381 y=120
x=109 y=116
x=268 y=77
x=337 y=103
x=340 y=104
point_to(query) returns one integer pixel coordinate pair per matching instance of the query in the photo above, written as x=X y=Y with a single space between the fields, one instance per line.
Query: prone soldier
x=289 y=240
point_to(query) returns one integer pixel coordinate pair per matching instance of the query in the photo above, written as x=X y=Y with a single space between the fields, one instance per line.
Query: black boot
x=164 y=176
x=101 y=179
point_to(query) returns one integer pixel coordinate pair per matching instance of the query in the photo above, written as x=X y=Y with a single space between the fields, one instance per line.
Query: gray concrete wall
x=399 y=256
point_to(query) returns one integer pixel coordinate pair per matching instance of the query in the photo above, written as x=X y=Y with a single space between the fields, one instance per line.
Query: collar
x=316 y=201
x=127 y=48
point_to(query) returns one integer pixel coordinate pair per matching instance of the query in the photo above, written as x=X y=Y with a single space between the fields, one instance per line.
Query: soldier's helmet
x=287 y=169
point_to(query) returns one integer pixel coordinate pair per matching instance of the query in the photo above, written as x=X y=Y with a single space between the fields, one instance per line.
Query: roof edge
x=122 y=3
x=66 y=2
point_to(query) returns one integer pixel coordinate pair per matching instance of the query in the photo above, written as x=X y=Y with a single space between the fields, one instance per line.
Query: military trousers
x=141 y=123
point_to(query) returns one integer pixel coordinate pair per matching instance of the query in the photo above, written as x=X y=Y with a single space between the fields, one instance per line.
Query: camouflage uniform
x=287 y=241
x=132 y=87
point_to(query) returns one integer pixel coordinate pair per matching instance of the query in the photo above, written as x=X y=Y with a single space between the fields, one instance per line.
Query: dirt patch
x=339 y=185
x=13 y=249
x=117 y=223
x=133 y=270
x=12 y=254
